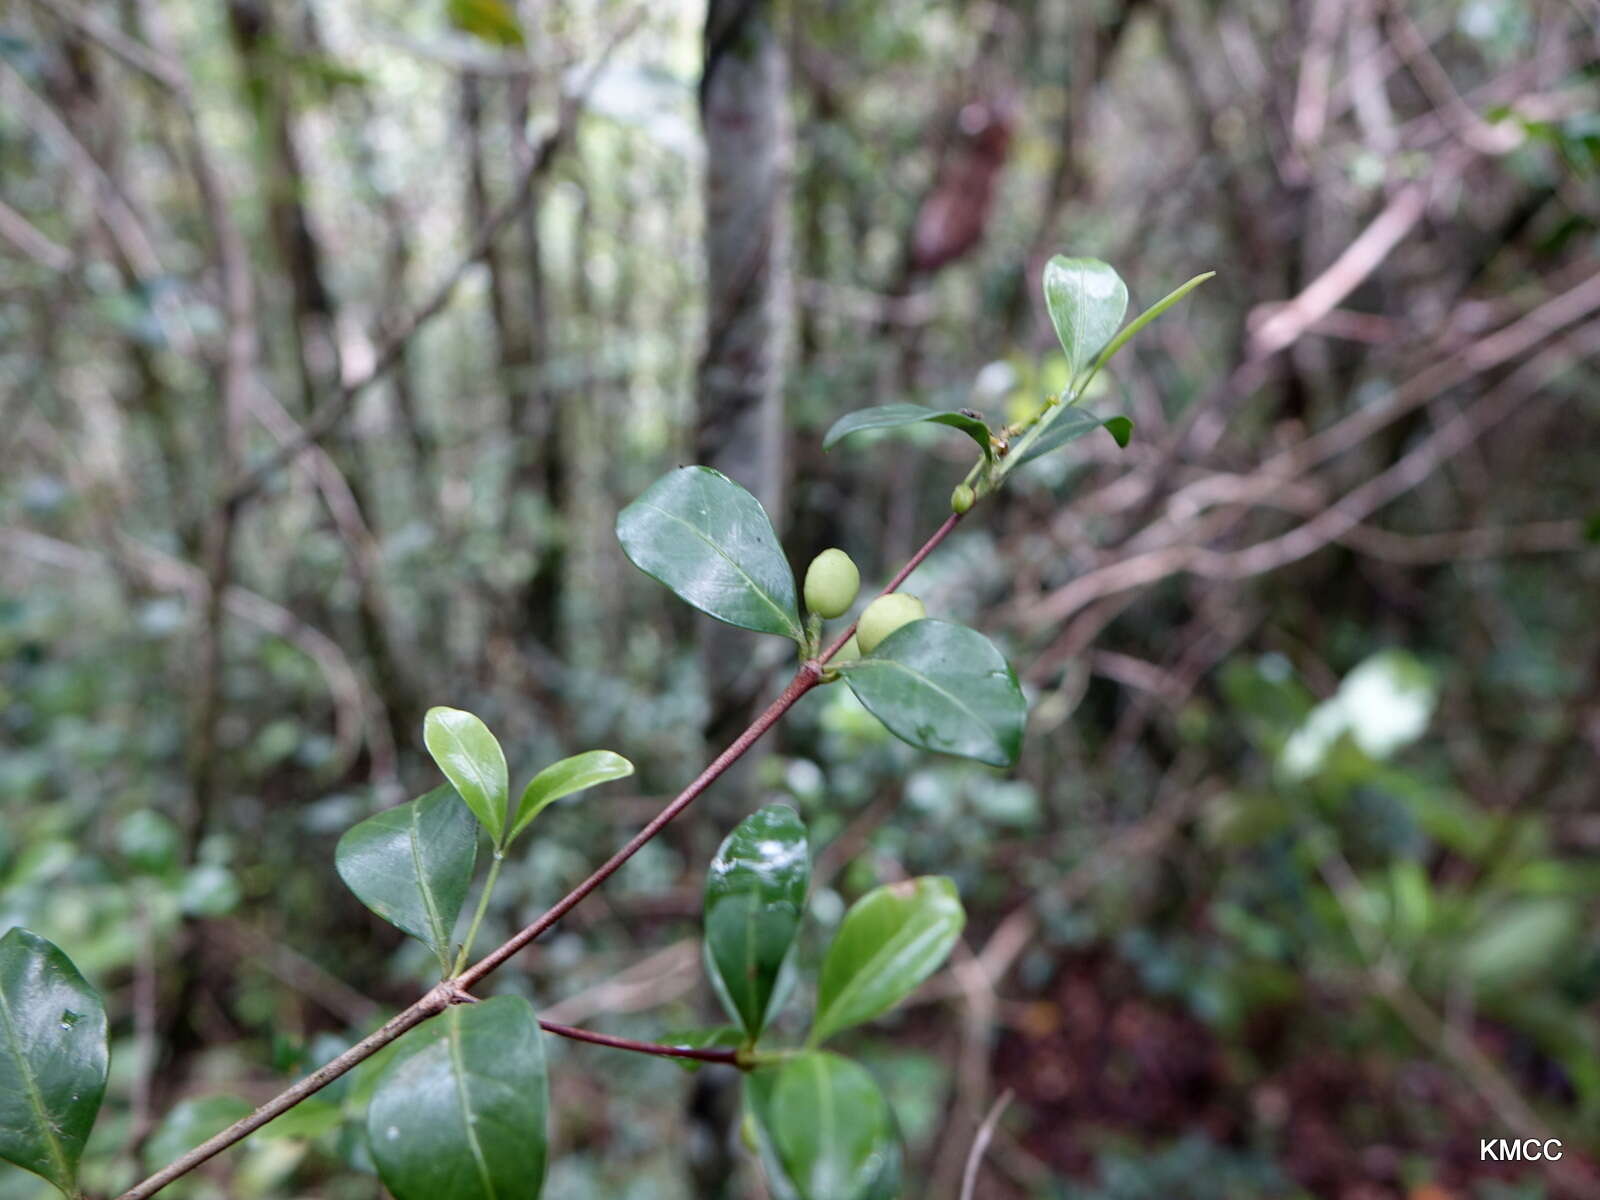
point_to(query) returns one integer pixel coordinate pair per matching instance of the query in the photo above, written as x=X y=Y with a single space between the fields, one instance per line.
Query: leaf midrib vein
x=441 y=936
x=895 y=664
x=462 y=1094
x=788 y=621
x=35 y=1097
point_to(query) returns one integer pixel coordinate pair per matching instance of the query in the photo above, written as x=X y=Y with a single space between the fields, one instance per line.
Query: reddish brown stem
x=809 y=675
x=455 y=991
x=730 y=1057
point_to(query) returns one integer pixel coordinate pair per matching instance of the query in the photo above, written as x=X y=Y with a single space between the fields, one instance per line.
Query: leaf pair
x=890 y=941
x=823 y=1129
x=412 y=864
x=53 y=1058
x=472 y=760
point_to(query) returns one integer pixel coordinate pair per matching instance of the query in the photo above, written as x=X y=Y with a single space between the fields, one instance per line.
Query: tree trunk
x=739 y=426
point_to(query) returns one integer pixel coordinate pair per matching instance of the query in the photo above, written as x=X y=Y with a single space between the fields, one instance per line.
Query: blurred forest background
x=334 y=335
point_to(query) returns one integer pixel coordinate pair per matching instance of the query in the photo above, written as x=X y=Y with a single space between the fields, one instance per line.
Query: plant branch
x=706 y=1054
x=457 y=990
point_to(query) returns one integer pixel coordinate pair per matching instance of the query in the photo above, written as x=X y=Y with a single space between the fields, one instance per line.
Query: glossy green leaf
x=563 y=779
x=1087 y=300
x=892 y=939
x=472 y=760
x=755 y=897
x=1144 y=318
x=715 y=1037
x=412 y=865
x=710 y=541
x=891 y=416
x=824 y=1130
x=943 y=687
x=53 y=1058
x=1069 y=425
x=189 y=1123
x=460 y=1113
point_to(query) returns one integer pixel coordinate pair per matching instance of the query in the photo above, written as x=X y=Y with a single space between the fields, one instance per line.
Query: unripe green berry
x=832 y=582
x=848 y=652
x=886 y=614
x=961 y=499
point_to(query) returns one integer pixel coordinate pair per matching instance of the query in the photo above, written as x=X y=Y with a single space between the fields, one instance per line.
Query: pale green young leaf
x=892 y=939
x=472 y=760
x=561 y=779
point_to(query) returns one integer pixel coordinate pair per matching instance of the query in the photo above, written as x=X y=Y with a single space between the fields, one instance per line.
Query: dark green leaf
x=755 y=897
x=824 y=1130
x=1087 y=300
x=564 y=778
x=412 y=865
x=189 y=1123
x=1070 y=425
x=943 y=687
x=717 y=1037
x=472 y=760
x=53 y=1058
x=460 y=1113
x=710 y=541
x=892 y=939
x=890 y=416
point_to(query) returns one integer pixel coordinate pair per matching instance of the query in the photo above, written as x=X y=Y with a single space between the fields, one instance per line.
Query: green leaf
x=890 y=416
x=715 y=1037
x=53 y=1058
x=564 y=778
x=472 y=760
x=460 y=1114
x=943 y=687
x=494 y=21
x=189 y=1123
x=1144 y=318
x=710 y=541
x=892 y=939
x=824 y=1130
x=1087 y=300
x=755 y=897
x=1068 y=426
x=1519 y=942
x=412 y=865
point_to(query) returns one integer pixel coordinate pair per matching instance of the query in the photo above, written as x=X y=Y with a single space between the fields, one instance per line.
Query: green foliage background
x=1287 y=855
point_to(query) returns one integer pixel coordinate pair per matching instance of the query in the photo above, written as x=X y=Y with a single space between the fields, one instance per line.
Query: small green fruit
x=832 y=582
x=848 y=652
x=886 y=614
x=962 y=498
